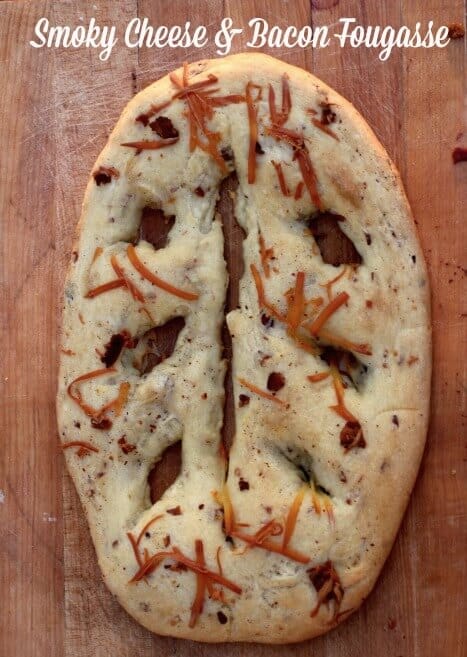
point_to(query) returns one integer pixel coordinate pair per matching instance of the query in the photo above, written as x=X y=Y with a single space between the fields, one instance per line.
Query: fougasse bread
x=280 y=535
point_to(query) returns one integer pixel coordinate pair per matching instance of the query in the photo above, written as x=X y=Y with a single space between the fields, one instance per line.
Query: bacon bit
x=412 y=359
x=175 y=511
x=150 y=145
x=135 y=293
x=276 y=381
x=114 y=347
x=266 y=255
x=260 y=392
x=155 y=280
x=292 y=515
x=328 y=285
x=324 y=128
x=280 y=175
x=84 y=447
x=326 y=313
x=315 y=378
x=279 y=118
x=102 y=423
x=126 y=447
x=299 y=190
x=343 y=343
x=68 y=352
x=164 y=128
x=352 y=436
x=261 y=297
x=103 y=175
x=106 y=287
x=201 y=581
x=97 y=253
x=327 y=585
x=253 y=125
x=340 y=407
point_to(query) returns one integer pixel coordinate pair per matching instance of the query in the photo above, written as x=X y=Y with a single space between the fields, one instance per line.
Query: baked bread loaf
x=280 y=535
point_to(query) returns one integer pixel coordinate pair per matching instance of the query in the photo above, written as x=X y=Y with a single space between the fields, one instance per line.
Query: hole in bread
x=347 y=363
x=302 y=462
x=233 y=255
x=155 y=227
x=157 y=344
x=334 y=245
x=165 y=471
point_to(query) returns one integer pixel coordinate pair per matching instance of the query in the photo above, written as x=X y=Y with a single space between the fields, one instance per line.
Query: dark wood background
x=56 y=111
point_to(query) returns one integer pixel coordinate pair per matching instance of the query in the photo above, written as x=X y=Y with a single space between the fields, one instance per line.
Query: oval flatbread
x=280 y=535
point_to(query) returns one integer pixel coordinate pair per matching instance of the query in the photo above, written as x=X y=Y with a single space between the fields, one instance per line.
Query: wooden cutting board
x=56 y=112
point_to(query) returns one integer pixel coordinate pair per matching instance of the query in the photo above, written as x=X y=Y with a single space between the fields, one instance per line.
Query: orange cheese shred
x=281 y=178
x=84 y=447
x=153 y=562
x=150 y=145
x=97 y=253
x=314 y=378
x=201 y=582
x=266 y=255
x=301 y=154
x=279 y=118
x=299 y=190
x=340 y=407
x=253 y=127
x=155 y=280
x=262 y=302
x=324 y=128
x=135 y=293
x=292 y=515
x=328 y=285
x=297 y=304
x=261 y=393
x=106 y=287
x=326 y=313
x=343 y=343
x=75 y=393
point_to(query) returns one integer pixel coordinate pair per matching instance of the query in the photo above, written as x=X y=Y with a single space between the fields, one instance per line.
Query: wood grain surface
x=57 y=109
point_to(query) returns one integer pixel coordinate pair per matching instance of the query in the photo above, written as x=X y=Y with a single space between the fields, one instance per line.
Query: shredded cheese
x=155 y=280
